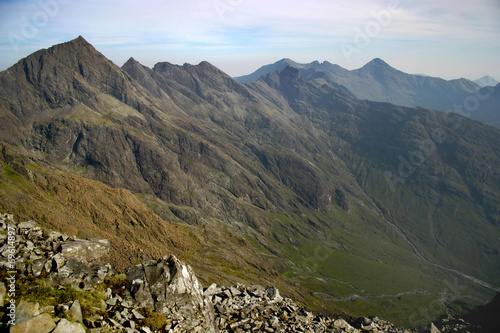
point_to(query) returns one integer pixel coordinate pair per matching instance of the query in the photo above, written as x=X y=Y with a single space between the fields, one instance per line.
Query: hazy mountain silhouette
x=377 y=81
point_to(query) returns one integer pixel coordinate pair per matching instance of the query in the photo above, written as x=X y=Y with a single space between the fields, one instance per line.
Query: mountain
x=277 y=66
x=369 y=207
x=486 y=81
x=377 y=81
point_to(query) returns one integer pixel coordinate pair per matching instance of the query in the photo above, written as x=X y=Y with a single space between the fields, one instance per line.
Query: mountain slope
x=295 y=166
x=443 y=172
x=89 y=209
x=485 y=106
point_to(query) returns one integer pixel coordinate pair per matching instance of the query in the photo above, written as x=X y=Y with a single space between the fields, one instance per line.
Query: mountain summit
x=486 y=81
x=376 y=63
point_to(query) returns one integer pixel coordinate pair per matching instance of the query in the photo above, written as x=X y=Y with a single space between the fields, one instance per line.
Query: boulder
x=26 y=310
x=40 y=324
x=66 y=326
x=75 y=312
x=274 y=294
x=165 y=284
x=85 y=251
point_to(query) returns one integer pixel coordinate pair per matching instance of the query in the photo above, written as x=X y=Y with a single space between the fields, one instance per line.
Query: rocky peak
x=376 y=68
x=376 y=63
x=131 y=62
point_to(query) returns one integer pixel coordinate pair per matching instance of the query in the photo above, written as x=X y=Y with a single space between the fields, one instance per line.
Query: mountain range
x=377 y=81
x=363 y=207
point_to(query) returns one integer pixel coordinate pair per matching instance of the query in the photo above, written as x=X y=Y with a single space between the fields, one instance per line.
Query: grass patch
x=32 y=289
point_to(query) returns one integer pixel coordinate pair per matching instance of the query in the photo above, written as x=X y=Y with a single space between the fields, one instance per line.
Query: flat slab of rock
x=65 y=326
x=85 y=251
x=40 y=324
x=26 y=310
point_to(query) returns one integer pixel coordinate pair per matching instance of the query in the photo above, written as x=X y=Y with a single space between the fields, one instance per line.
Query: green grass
x=36 y=290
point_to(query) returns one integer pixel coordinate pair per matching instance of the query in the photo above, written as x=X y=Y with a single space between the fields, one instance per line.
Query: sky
x=444 y=38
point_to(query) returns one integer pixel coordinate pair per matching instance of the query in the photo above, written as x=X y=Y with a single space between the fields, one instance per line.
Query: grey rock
x=130 y=323
x=24 y=226
x=274 y=293
x=48 y=266
x=167 y=283
x=58 y=261
x=29 y=245
x=47 y=309
x=108 y=293
x=211 y=290
x=65 y=326
x=114 y=323
x=257 y=290
x=234 y=291
x=75 y=312
x=53 y=236
x=92 y=321
x=85 y=251
x=137 y=315
x=341 y=323
x=64 y=307
x=37 y=267
x=111 y=302
x=26 y=310
x=40 y=324
x=33 y=256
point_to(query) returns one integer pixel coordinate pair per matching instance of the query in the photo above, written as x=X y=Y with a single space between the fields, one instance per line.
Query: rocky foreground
x=164 y=295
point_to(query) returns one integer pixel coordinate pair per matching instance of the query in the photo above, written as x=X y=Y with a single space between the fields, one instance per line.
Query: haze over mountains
x=377 y=81
x=373 y=208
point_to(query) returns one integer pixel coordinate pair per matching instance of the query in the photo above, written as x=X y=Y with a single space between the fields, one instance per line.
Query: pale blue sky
x=445 y=38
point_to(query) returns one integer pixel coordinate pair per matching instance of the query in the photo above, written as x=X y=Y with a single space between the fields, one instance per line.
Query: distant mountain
x=377 y=81
x=486 y=81
x=368 y=207
x=277 y=66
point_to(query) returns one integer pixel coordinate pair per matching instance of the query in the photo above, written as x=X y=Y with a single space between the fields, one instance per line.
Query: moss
x=153 y=320
x=117 y=283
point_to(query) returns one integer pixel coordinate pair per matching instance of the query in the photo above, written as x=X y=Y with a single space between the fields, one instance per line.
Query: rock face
x=165 y=284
